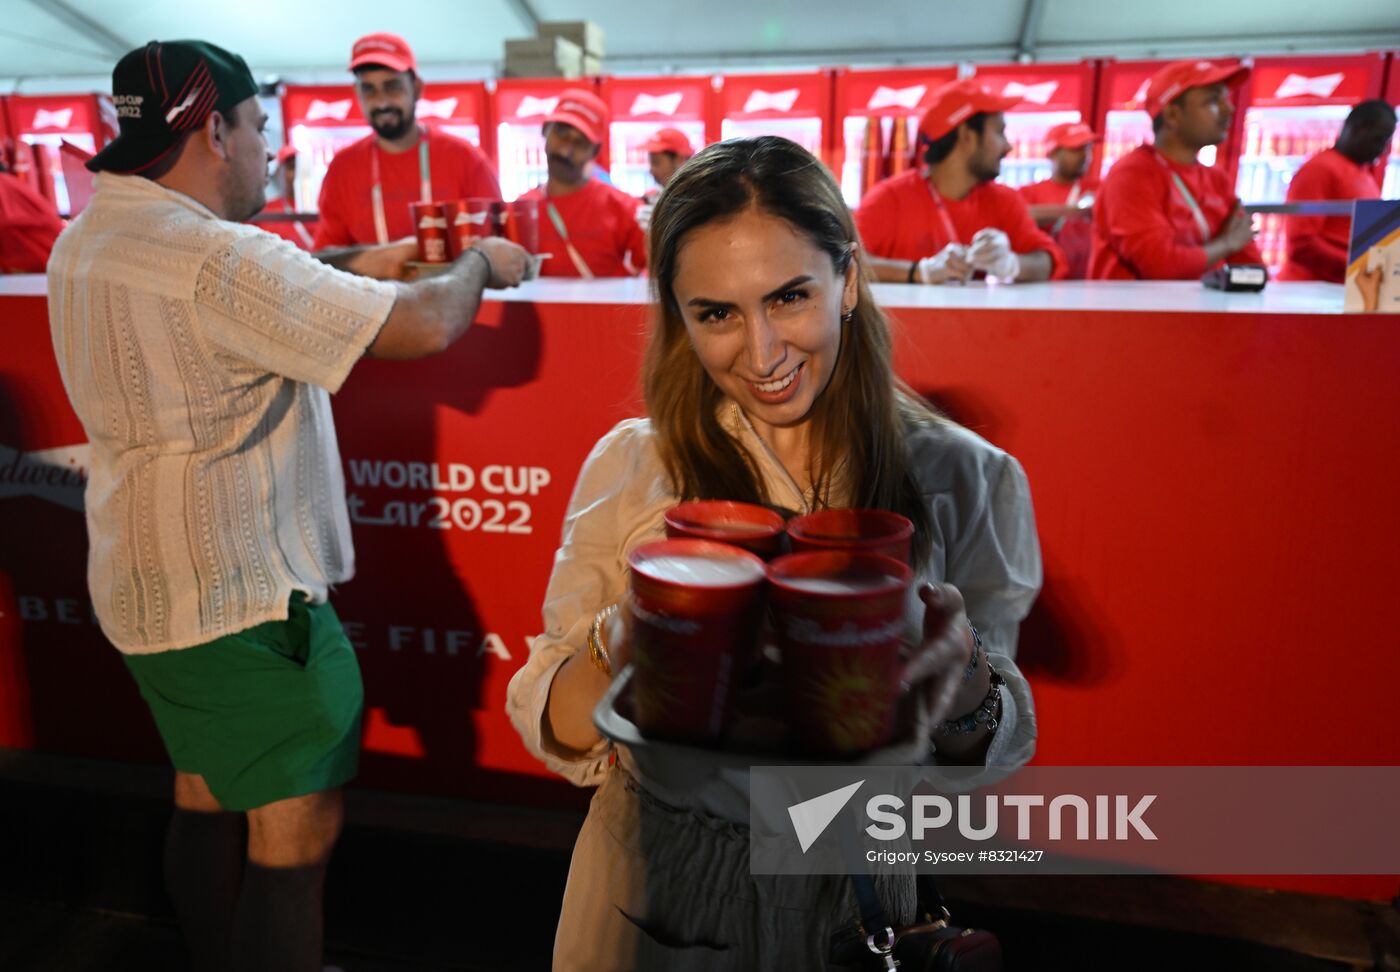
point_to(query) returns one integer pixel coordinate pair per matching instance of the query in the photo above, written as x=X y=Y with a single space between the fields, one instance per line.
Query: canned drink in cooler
x=430 y=226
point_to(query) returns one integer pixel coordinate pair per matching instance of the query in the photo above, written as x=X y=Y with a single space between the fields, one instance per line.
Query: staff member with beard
x=370 y=185
x=589 y=227
x=1161 y=214
x=1061 y=203
x=945 y=223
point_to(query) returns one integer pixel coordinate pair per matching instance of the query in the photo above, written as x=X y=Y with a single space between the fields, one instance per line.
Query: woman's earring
x=848 y=316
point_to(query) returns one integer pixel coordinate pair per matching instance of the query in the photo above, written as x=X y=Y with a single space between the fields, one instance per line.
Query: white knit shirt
x=199 y=355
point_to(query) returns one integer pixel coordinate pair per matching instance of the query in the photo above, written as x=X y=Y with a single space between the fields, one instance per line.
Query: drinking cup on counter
x=755 y=528
x=839 y=618
x=696 y=607
x=867 y=531
x=468 y=220
x=519 y=222
x=430 y=226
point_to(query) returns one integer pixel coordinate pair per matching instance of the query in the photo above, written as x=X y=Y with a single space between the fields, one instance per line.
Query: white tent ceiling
x=58 y=44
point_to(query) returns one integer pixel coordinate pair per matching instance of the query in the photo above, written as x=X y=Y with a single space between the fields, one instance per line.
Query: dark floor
x=80 y=892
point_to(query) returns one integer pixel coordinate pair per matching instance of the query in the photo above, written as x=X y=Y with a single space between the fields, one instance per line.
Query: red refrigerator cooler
x=795 y=106
x=39 y=124
x=319 y=120
x=1051 y=94
x=1120 y=117
x=637 y=107
x=1293 y=108
x=868 y=107
x=519 y=110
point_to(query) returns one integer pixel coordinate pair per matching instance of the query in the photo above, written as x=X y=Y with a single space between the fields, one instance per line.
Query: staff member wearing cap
x=946 y=223
x=1160 y=214
x=667 y=150
x=200 y=353
x=284 y=179
x=1318 y=245
x=1062 y=203
x=589 y=227
x=370 y=185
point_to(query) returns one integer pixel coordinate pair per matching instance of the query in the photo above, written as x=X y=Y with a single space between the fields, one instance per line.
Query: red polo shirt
x=900 y=219
x=601 y=221
x=1074 y=235
x=28 y=227
x=296 y=232
x=1318 y=245
x=1144 y=229
x=458 y=169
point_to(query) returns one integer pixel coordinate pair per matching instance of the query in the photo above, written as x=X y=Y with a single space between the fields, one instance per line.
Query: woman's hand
x=943 y=656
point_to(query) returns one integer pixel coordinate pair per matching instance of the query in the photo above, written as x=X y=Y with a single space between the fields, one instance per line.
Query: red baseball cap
x=669 y=140
x=286 y=152
x=582 y=109
x=1071 y=135
x=956 y=102
x=1179 y=76
x=387 y=50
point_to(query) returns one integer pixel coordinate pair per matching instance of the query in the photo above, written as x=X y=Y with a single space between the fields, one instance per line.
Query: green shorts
x=264 y=714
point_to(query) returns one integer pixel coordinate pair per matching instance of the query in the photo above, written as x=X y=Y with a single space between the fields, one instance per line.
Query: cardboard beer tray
x=612 y=717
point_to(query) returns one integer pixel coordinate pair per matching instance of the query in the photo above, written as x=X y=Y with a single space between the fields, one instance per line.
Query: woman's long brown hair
x=861 y=421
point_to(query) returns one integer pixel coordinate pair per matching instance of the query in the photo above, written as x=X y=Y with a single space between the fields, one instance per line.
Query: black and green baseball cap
x=163 y=90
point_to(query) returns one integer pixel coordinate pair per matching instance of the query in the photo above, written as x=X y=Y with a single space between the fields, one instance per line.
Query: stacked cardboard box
x=563 y=49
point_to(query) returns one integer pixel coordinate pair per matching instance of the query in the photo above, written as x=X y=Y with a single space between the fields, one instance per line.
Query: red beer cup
x=839 y=617
x=867 y=531
x=755 y=528
x=468 y=220
x=695 y=609
x=430 y=226
x=520 y=223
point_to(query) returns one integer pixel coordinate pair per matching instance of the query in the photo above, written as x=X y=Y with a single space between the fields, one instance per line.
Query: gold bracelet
x=597 y=650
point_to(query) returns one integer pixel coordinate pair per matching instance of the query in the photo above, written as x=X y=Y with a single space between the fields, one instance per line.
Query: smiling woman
x=768 y=380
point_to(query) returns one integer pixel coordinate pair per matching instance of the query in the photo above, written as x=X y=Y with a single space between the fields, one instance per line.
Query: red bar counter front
x=1214 y=478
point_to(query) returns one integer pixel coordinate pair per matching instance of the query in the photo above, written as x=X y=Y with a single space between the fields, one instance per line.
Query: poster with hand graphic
x=1373 y=260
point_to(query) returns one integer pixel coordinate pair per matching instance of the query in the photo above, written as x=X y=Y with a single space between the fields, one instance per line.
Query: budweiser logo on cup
x=695 y=609
x=430 y=226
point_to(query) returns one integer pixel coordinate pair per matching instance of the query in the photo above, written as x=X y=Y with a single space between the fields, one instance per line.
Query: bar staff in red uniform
x=588 y=227
x=1318 y=245
x=370 y=185
x=284 y=204
x=1161 y=214
x=667 y=150
x=29 y=225
x=1061 y=203
x=951 y=220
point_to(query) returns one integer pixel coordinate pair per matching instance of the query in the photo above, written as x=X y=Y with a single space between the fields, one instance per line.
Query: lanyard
x=1069 y=201
x=949 y=229
x=554 y=217
x=1190 y=200
x=376 y=191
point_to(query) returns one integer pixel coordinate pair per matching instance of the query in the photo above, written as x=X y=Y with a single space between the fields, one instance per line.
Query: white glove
x=644 y=216
x=934 y=269
x=991 y=253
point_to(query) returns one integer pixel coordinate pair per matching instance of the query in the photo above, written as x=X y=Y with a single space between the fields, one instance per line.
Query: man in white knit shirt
x=200 y=354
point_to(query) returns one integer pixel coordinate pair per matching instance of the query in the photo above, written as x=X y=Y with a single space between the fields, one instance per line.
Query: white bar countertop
x=1119 y=296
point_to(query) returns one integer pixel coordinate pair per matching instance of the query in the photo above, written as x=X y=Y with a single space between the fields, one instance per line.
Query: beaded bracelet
x=983 y=715
x=597 y=651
